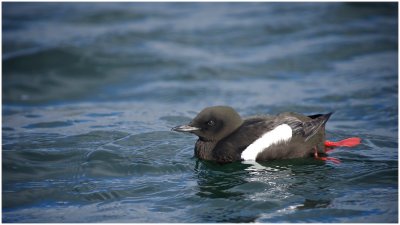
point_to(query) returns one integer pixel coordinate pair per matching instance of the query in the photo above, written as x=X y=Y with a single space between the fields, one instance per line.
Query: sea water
x=91 y=91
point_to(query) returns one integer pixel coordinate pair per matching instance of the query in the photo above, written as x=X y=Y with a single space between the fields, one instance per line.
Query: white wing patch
x=281 y=133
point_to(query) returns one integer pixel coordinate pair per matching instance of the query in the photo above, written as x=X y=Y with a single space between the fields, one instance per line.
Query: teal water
x=91 y=91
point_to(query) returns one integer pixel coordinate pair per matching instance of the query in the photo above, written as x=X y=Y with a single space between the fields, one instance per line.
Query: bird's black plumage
x=224 y=135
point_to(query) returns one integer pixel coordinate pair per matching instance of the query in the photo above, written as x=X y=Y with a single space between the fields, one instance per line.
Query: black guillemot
x=225 y=137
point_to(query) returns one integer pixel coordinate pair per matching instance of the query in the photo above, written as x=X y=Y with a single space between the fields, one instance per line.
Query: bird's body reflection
x=291 y=185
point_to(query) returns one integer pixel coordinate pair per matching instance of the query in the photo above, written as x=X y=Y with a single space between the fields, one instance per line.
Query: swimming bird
x=224 y=136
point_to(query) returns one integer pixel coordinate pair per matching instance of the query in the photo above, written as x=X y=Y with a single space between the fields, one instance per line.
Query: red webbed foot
x=349 y=142
x=324 y=158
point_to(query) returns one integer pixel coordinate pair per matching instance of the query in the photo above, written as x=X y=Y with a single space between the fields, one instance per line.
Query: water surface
x=91 y=90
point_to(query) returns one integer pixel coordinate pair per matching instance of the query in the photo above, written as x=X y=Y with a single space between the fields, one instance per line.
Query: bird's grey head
x=213 y=123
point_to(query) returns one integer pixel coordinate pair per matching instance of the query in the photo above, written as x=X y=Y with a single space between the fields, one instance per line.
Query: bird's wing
x=308 y=128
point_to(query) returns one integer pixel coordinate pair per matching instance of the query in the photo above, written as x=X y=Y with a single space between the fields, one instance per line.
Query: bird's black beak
x=185 y=128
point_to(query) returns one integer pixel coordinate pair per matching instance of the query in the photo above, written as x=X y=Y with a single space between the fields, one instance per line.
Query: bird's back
x=308 y=134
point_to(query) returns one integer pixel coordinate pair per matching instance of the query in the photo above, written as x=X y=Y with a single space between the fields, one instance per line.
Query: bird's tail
x=313 y=126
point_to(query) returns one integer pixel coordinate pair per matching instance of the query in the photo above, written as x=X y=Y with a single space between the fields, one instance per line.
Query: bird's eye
x=211 y=123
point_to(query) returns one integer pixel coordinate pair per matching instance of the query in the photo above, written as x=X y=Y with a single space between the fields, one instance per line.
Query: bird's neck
x=203 y=149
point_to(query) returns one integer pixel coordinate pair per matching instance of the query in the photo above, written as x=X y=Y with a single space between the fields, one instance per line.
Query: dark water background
x=91 y=90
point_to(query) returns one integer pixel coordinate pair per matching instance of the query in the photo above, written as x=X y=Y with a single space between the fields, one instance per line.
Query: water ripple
x=91 y=91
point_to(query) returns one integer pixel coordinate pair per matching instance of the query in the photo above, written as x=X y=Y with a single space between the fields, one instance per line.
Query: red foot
x=349 y=142
x=331 y=159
